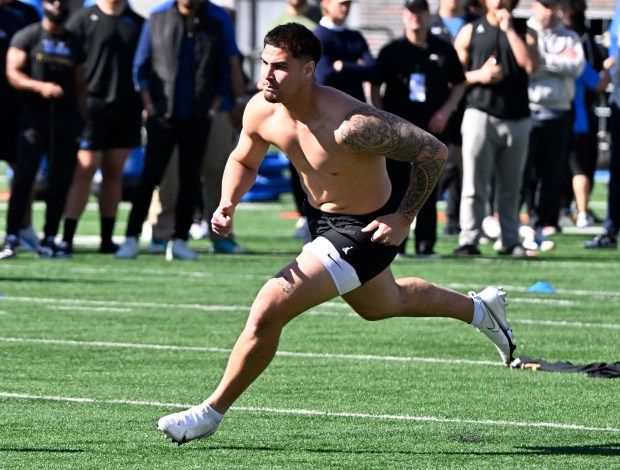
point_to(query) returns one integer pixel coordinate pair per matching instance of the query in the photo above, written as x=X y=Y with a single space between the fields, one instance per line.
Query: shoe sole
x=183 y=439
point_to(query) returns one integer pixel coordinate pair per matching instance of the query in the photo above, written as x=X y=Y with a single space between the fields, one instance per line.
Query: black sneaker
x=63 y=250
x=467 y=250
x=602 y=240
x=47 y=248
x=9 y=249
x=108 y=248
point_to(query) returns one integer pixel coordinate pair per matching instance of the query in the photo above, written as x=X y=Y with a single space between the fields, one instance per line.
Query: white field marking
x=601 y=326
x=604 y=326
x=354 y=357
x=590 y=293
x=326 y=414
x=78 y=308
x=76 y=305
x=124 y=304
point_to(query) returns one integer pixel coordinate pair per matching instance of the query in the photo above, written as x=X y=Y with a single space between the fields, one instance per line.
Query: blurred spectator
x=497 y=54
x=222 y=139
x=424 y=82
x=551 y=91
x=44 y=61
x=109 y=32
x=182 y=70
x=14 y=15
x=299 y=11
x=446 y=23
x=346 y=62
x=608 y=238
x=583 y=146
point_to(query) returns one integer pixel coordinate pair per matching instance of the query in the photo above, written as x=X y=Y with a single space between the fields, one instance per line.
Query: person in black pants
x=424 y=84
x=182 y=70
x=44 y=61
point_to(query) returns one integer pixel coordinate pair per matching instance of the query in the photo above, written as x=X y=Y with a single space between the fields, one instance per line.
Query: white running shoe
x=129 y=249
x=495 y=324
x=28 y=238
x=196 y=423
x=178 y=249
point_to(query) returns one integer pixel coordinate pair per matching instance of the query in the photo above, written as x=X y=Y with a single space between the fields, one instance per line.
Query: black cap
x=418 y=4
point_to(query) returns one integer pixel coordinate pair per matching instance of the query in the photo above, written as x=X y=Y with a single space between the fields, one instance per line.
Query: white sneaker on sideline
x=584 y=220
x=196 y=423
x=178 y=249
x=28 y=238
x=129 y=249
x=495 y=324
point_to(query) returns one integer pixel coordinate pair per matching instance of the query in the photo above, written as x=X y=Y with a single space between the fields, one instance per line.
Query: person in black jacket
x=45 y=62
x=182 y=71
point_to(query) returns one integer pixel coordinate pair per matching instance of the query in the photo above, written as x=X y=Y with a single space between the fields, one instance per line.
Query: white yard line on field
x=356 y=357
x=344 y=310
x=326 y=414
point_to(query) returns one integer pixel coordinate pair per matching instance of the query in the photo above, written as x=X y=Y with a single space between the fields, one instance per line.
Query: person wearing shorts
x=109 y=31
x=339 y=146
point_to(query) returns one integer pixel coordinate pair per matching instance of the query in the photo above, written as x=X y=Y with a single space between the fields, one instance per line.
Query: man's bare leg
x=112 y=181
x=110 y=195
x=300 y=286
x=385 y=297
x=297 y=288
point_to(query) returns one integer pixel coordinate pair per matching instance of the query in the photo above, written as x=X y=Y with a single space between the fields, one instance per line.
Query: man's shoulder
x=26 y=34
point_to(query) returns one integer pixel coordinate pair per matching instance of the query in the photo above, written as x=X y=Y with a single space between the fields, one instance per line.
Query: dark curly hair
x=295 y=39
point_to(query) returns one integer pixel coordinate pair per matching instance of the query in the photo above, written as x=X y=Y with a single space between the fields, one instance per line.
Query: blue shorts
x=349 y=254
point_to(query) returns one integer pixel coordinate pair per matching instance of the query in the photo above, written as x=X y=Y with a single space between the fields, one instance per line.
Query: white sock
x=217 y=416
x=478 y=311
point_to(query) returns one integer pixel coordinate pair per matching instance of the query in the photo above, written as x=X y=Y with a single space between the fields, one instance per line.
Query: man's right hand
x=49 y=90
x=221 y=222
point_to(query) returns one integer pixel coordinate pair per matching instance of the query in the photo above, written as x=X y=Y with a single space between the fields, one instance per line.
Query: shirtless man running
x=338 y=145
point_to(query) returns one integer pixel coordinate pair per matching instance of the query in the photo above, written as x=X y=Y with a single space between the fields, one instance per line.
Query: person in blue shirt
x=346 y=62
x=222 y=139
x=594 y=78
x=182 y=71
x=608 y=237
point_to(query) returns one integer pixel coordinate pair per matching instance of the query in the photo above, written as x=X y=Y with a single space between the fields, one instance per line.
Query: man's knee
x=264 y=317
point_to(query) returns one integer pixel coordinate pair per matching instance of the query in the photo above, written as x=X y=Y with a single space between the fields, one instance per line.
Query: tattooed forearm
x=367 y=129
x=424 y=177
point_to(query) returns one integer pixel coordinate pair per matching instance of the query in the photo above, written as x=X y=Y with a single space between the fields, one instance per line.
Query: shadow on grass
x=42 y=451
x=51 y=280
x=611 y=449
x=605 y=450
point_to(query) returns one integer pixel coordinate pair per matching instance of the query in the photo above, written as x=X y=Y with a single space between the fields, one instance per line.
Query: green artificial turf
x=93 y=350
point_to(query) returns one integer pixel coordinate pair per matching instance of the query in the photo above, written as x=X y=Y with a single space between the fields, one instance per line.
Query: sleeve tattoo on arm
x=368 y=129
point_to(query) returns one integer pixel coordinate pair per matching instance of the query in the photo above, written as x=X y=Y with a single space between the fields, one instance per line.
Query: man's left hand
x=390 y=229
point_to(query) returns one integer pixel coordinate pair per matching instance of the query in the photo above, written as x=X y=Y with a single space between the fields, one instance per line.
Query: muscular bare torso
x=336 y=178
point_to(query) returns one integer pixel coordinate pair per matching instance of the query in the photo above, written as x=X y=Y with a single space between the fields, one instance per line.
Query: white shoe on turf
x=196 y=423
x=495 y=324
x=178 y=249
x=129 y=249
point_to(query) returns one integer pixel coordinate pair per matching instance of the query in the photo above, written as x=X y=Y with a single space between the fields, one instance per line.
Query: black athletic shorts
x=348 y=253
x=110 y=127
